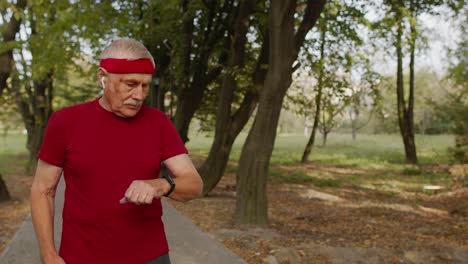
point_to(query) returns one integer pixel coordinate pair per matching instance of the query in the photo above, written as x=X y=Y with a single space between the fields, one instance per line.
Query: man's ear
x=103 y=79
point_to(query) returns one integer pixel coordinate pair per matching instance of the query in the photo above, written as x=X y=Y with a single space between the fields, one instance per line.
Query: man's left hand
x=144 y=191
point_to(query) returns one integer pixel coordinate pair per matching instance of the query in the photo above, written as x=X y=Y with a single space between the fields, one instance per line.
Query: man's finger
x=123 y=200
x=142 y=198
x=129 y=192
x=149 y=200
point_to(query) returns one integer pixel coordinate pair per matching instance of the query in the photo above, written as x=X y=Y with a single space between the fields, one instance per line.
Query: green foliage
x=76 y=89
x=8 y=45
x=454 y=107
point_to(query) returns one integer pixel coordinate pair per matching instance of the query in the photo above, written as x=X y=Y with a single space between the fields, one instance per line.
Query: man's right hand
x=54 y=260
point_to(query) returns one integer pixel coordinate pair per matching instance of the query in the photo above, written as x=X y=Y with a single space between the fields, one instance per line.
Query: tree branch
x=312 y=14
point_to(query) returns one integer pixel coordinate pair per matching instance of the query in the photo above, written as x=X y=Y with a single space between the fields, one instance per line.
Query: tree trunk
x=354 y=131
x=411 y=156
x=154 y=94
x=4 y=194
x=189 y=101
x=311 y=141
x=228 y=127
x=405 y=114
x=325 y=135
x=35 y=108
x=42 y=109
x=251 y=203
x=214 y=166
x=354 y=115
x=318 y=98
x=251 y=206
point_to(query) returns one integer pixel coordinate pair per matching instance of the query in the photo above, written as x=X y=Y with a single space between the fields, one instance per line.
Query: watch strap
x=171 y=182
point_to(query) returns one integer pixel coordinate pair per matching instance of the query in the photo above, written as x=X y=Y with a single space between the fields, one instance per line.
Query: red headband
x=112 y=65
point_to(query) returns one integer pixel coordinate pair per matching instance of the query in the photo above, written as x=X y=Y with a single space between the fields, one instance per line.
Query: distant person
x=110 y=151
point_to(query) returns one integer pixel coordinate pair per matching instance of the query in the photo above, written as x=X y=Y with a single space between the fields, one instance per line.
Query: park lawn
x=371 y=161
x=367 y=150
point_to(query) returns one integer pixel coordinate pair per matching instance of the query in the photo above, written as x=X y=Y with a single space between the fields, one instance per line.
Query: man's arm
x=188 y=183
x=42 y=209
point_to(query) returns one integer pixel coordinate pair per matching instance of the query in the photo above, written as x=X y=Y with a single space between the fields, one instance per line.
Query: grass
x=373 y=150
x=379 y=158
x=14 y=143
x=13 y=154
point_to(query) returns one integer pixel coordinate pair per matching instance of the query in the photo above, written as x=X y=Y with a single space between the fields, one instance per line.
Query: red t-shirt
x=101 y=154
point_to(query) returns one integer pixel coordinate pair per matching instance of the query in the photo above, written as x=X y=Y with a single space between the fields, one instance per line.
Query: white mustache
x=132 y=102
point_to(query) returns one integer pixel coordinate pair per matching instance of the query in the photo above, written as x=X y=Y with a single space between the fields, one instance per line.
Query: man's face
x=124 y=93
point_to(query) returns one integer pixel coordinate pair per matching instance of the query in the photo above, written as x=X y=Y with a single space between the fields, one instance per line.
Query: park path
x=188 y=244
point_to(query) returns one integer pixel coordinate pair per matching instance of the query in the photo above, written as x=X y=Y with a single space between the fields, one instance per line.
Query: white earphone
x=102 y=82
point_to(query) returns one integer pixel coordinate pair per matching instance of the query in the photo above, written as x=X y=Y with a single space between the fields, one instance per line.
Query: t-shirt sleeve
x=172 y=144
x=53 y=144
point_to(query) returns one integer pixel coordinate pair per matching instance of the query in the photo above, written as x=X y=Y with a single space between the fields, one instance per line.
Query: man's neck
x=104 y=104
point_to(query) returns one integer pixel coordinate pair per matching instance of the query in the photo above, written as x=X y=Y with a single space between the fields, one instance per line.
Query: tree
x=251 y=205
x=401 y=23
x=333 y=103
x=365 y=96
x=230 y=121
x=42 y=55
x=318 y=96
x=337 y=39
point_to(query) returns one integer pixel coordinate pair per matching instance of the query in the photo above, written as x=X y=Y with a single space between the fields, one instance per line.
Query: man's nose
x=139 y=93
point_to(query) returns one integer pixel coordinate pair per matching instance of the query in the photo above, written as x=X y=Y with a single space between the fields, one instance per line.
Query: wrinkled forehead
x=132 y=77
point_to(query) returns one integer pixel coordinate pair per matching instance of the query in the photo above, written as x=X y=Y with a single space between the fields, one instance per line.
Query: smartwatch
x=171 y=182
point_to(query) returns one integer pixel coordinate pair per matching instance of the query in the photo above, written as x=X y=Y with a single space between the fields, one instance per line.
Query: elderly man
x=110 y=151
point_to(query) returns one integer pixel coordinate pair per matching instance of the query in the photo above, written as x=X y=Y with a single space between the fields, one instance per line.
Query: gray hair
x=126 y=48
